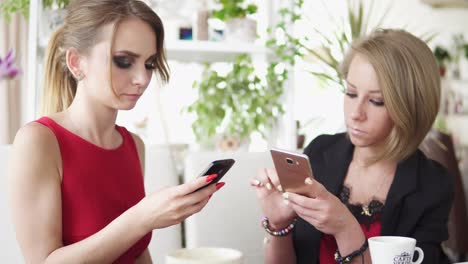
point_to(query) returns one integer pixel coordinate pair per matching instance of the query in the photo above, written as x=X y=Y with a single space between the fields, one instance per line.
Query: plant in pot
x=239 y=28
x=443 y=58
x=239 y=103
x=231 y=107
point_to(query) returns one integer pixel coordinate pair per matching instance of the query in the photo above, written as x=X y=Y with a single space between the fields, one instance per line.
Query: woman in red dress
x=76 y=179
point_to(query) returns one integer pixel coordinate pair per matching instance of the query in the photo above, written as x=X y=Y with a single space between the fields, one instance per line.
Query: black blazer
x=417 y=203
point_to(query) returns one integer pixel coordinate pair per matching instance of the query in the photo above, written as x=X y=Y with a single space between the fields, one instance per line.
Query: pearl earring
x=79 y=77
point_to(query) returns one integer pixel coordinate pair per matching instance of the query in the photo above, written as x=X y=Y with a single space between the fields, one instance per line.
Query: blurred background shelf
x=210 y=51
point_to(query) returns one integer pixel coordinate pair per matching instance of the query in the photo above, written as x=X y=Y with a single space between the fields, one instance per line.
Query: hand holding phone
x=293 y=169
x=218 y=167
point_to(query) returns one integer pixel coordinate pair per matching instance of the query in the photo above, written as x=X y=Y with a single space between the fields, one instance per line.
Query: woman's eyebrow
x=354 y=86
x=135 y=55
x=350 y=84
x=129 y=53
x=375 y=91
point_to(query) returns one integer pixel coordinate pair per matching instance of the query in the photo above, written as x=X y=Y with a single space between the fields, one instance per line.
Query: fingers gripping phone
x=292 y=169
x=219 y=167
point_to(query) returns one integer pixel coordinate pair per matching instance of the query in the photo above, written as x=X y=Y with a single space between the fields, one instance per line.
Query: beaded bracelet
x=282 y=232
x=347 y=259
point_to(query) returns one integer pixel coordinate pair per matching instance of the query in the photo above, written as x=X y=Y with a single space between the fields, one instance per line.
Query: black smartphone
x=219 y=167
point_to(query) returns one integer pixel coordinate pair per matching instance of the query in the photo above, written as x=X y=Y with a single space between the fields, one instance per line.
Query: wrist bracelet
x=282 y=232
x=347 y=259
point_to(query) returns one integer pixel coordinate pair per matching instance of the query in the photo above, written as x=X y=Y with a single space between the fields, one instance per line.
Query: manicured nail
x=209 y=196
x=286 y=202
x=256 y=183
x=308 y=181
x=280 y=188
x=219 y=185
x=211 y=177
x=286 y=196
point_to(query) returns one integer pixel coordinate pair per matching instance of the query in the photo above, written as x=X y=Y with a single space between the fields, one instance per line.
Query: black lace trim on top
x=366 y=215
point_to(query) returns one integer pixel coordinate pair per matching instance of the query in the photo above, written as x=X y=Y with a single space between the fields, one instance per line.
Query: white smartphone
x=292 y=169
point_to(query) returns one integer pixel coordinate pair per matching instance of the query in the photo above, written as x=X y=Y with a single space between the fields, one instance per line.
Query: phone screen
x=292 y=169
x=219 y=167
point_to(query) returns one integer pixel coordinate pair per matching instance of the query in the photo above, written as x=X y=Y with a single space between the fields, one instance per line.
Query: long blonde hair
x=81 y=29
x=409 y=79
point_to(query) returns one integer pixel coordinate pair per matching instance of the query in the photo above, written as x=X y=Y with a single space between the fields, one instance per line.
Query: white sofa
x=159 y=172
x=9 y=250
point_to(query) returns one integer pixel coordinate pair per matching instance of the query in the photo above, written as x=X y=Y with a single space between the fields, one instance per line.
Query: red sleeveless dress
x=98 y=185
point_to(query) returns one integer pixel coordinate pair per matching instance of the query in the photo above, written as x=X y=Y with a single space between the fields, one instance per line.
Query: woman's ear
x=73 y=59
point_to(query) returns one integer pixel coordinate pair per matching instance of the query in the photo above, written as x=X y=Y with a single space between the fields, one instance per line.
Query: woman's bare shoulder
x=34 y=135
x=36 y=147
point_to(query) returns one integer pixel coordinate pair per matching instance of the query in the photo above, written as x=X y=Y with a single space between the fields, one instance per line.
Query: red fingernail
x=211 y=177
x=219 y=185
x=209 y=196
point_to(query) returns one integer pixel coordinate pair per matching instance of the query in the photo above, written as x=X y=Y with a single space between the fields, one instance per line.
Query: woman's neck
x=94 y=122
x=365 y=157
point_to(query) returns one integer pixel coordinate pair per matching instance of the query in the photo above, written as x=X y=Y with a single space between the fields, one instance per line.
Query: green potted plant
x=10 y=7
x=443 y=58
x=240 y=102
x=234 y=105
x=238 y=26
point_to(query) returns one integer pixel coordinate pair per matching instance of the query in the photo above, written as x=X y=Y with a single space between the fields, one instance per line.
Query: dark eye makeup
x=125 y=62
x=122 y=62
x=351 y=95
x=373 y=101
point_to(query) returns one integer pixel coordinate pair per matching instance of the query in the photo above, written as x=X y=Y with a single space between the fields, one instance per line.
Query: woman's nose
x=359 y=112
x=141 y=77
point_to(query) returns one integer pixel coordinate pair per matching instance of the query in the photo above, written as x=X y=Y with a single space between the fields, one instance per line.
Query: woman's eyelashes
x=150 y=65
x=124 y=62
x=376 y=102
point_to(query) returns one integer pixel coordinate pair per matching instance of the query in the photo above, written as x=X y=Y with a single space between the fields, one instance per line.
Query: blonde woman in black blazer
x=417 y=203
x=372 y=180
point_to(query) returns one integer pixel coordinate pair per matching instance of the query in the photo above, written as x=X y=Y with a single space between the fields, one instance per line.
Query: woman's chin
x=358 y=141
x=126 y=107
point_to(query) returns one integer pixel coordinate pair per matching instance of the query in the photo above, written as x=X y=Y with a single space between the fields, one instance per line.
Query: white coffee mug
x=205 y=255
x=394 y=250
